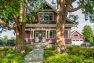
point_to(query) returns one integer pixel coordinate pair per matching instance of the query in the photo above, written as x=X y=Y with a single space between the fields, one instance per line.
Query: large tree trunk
x=60 y=41
x=20 y=42
x=20 y=27
x=61 y=19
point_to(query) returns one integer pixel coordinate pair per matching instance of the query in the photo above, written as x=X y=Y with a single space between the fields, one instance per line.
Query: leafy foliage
x=8 y=55
x=36 y=5
x=88 y=9
x=77 y=50
x=88 y=34
x=9 y=9
x=4 y=39
x=75 y=54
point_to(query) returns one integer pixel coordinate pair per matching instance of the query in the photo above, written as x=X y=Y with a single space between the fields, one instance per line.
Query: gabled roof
x=51 y=5
x=76 y=32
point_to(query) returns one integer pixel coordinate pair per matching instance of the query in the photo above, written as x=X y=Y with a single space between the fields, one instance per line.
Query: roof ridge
x=50 y=5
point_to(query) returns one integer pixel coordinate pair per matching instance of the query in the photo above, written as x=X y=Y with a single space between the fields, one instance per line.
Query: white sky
x=82 y=22
x=79 y=27
x=9 y=34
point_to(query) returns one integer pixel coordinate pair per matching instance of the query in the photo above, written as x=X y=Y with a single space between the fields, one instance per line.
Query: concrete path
x=36 y=55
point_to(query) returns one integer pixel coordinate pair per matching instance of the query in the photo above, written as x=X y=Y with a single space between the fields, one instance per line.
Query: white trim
x=44 y=29
x=46 y=25
x=31 y=32
x=46 y=34
x=49 y=34
x=47 y=10
x=69 y=33
x=27 y=29
x=68 y=36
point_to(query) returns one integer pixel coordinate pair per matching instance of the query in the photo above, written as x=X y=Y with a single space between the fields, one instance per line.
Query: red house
x=45 y=25
x=77 y=38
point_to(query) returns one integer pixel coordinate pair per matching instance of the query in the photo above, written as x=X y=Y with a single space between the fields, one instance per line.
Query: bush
x=64 y=58
x=75 y=54
x=77 y=50
x=48 y=53
x=8 y=55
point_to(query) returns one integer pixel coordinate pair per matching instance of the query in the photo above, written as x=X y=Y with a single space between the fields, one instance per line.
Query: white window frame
x=46 y=20
x=49 y=34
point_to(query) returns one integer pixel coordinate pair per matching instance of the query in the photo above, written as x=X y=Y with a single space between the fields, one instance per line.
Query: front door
x=39 y=35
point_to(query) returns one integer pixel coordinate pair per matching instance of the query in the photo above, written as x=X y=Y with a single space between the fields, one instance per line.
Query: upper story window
x=46 y=16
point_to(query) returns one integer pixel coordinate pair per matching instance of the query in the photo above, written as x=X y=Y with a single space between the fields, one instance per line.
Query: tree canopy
x=88 y=34
x=14 y=15
x=10 y=10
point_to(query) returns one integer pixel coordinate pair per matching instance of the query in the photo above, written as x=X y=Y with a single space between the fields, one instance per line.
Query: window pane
x=41 y=16
x=76 y=35
x=46 y=16
x=52 y=34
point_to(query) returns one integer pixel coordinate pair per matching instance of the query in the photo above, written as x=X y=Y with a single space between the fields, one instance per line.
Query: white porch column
x=33 y=34
x=68 y=33
x=30 y=33
x=46 y=34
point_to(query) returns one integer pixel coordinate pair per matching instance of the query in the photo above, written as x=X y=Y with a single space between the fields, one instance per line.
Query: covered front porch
x=47 y=31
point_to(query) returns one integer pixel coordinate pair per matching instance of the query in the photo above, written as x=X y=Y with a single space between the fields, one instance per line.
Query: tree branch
x=77 y=8
x=5 y=24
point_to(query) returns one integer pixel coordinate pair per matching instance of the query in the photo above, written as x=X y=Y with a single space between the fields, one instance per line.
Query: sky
x=9 y=34
x=79 y=27
x=82 y=22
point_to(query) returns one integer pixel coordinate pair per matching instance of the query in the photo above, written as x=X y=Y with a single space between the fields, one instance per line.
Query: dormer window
x=46 y=16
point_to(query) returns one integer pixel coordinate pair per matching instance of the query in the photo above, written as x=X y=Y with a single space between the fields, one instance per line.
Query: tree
x=14 y=15
x=63 y=8
x=4 y=39
x=88 y=33
x=13 y=39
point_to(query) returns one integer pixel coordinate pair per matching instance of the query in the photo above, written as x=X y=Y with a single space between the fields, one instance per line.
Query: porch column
x=30 y=33
x=46 y=34
x=68 y=33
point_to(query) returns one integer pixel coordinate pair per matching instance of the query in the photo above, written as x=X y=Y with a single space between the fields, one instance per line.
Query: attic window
x=75 y=34
x=46 y=16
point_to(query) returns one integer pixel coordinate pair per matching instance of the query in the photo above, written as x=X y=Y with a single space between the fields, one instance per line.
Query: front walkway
x=36 y=55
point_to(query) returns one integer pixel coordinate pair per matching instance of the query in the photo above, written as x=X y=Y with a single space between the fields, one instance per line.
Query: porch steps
x=36 y=55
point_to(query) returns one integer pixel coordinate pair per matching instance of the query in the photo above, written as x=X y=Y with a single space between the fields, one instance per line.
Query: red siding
x=68 y=41
x=79 y=37
x=27 y=34
x=55 y=16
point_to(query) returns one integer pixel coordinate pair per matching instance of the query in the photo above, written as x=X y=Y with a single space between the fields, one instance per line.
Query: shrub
x=77 y=50
x=64 y=58
x=89 y=60
x=48 y=53
x=8 y=55
x=59 y=58
x=75 y=54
